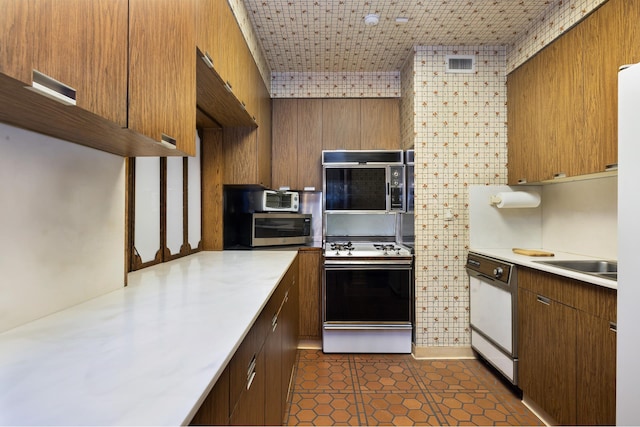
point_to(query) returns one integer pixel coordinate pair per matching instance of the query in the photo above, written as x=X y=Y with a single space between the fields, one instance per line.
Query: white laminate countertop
x=531 y=262
x=147 y=354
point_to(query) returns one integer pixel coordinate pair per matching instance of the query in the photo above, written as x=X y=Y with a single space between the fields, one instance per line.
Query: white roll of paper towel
x=516 y=199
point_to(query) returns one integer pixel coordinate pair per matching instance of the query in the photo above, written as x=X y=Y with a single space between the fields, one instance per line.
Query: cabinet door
x=341 y=124
x=310 y=143
x=291 y=331
x=547 y=354
x=524 y=146
x=214 y=411
x=77 y=43
x=162 y=77
x=249 y=411
x=285 y=143
x=274 y=401
x=596 y=370
x=380 y=121
x=310 y=294
x=17 y=22
x=610 y=37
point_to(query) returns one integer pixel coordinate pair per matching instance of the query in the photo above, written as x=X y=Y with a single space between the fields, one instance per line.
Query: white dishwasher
x=493 y=306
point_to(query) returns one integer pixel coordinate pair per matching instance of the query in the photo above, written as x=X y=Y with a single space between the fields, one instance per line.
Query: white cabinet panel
x=175 y=223
x=147 y=209
x=194 y=199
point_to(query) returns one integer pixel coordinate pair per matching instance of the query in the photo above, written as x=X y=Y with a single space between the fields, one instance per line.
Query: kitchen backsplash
x=62 y=225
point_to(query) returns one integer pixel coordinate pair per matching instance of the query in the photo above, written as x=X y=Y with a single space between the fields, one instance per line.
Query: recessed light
x=402 y=20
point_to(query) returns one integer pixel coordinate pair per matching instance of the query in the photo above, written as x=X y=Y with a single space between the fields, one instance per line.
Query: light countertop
x=530 y=261
x=147 y=354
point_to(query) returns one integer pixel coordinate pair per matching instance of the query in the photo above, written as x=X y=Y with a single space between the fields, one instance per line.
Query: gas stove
x=349 y=249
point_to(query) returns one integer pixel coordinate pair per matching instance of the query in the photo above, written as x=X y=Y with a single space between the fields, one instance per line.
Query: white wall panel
x=61 y=225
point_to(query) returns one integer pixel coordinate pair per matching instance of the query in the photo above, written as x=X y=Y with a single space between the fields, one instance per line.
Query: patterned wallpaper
x=459 y=123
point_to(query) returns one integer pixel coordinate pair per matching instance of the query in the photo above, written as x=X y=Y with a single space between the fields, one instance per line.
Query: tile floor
x=362 y=389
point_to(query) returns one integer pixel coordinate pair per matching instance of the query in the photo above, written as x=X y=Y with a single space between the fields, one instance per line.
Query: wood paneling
x=310 y=293
x=162 y=71
x=341 y=125
x=379 y=121
x=212 y=190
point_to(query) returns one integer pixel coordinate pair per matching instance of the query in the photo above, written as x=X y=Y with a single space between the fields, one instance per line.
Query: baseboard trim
x=458 y=352
x=306 y=344
x=538 y=411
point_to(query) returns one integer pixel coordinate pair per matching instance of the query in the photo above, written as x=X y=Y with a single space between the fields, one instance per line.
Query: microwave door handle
x=388 y=189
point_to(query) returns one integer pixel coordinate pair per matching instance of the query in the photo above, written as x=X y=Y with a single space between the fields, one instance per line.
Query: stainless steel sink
x=600 y=268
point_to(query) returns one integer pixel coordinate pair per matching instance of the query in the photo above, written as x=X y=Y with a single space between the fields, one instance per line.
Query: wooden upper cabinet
x=285 y=143
x=380 y=120
x=341 y=124
x=17 y=21
x=562 y=103
x=162 y=73
x=80 y=44
x=310 y=143
x=611 y=39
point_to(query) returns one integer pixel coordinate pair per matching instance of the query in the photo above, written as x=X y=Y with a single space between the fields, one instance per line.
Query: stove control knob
x=497 y=272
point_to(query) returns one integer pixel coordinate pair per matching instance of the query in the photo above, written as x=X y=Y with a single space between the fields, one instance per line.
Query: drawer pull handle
x=250 y=380
x=611 y=167
x=207 y=60
x=228 y=87
x=544 y=300
x=168 y=141
x=613 y=327
x=52 y=89
x=522 y=181
x=274 y=322
x=559 y=175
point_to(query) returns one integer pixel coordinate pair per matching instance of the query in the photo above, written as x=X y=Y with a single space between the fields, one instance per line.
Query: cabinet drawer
x=594 y=299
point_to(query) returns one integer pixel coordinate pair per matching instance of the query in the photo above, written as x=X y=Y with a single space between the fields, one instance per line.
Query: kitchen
x=486 y=159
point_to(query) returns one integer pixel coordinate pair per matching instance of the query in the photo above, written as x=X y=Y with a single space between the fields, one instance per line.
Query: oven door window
x=356 y=189
x=367 y=295
x=281 y=227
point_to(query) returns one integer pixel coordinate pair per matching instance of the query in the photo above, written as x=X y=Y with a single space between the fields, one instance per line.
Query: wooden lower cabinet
x=567 y=347
x=215 y=408
x=249 y=411
x=547 y=366
x=253 y=387
x=310 y=293
x=596 y=385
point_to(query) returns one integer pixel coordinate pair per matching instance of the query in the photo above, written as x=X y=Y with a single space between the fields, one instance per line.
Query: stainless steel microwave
x=363 y=181
x=271 y=229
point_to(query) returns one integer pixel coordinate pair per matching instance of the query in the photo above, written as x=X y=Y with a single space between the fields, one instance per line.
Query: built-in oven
x=363 y=181
x=271 y=228
x=367 y=299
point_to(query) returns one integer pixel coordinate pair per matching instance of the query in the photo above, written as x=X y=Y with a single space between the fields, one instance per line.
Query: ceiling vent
x=461 y=64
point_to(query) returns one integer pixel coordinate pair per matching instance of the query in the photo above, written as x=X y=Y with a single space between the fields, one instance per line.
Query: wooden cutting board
x=532 y=252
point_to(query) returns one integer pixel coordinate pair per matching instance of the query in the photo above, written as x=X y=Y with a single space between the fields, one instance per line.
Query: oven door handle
x=371 y=327
x=358 y=265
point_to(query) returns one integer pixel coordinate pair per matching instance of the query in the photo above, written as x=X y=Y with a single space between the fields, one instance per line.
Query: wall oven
x=363 y=181
x=367 y=298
